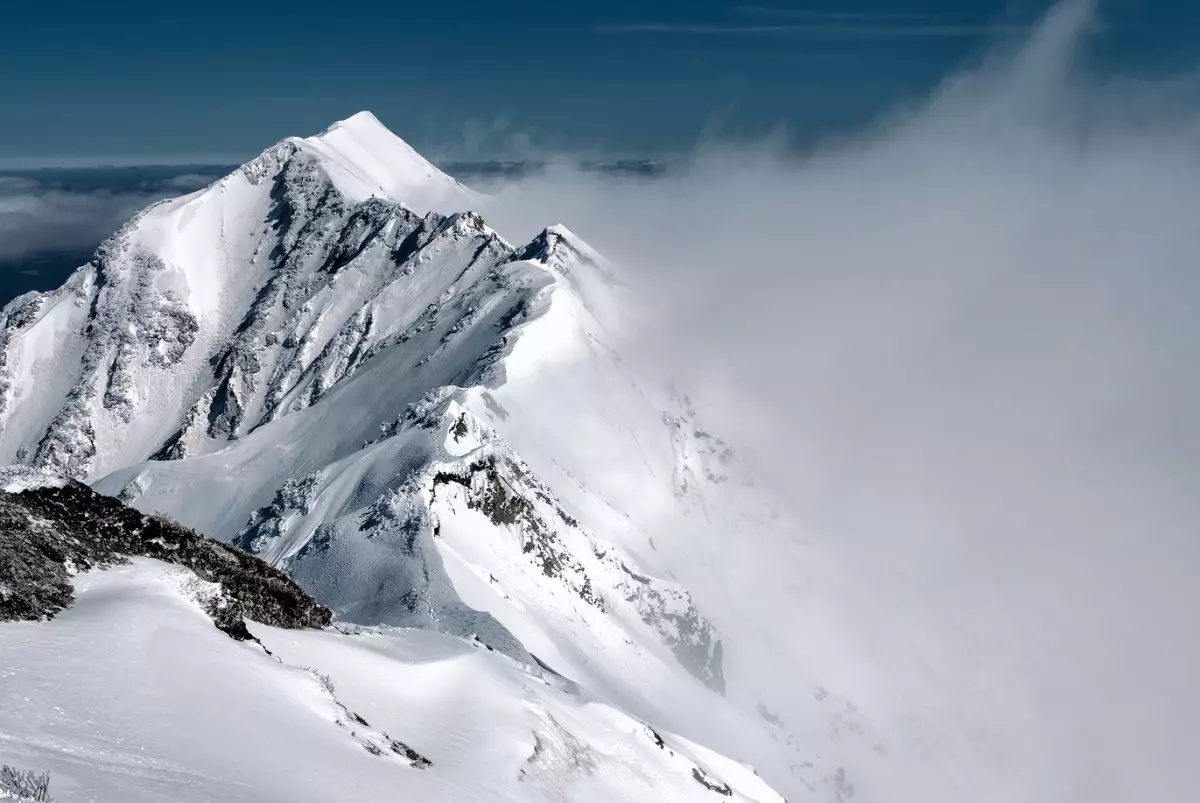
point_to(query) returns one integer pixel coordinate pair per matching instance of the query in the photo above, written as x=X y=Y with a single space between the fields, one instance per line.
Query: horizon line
x=115 y=161
x=36 y=163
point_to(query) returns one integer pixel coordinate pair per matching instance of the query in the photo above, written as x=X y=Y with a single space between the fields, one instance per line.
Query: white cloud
x=964 y=345
x=40 y=215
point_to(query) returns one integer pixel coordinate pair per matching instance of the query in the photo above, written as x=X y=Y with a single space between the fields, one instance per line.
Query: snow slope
x=133 y=695
x=364 y=159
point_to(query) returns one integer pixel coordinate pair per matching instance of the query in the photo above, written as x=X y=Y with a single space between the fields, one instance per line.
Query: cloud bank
x=963 y=346
x=64 y=211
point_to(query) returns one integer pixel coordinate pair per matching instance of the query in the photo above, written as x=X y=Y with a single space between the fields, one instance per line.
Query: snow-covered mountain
x=424 y=426
x=131 y=694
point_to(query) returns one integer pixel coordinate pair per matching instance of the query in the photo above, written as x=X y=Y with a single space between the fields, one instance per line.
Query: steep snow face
x=133 y=695
x=365 y=159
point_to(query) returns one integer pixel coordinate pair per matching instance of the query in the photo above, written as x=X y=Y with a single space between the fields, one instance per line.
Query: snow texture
x=132 y=695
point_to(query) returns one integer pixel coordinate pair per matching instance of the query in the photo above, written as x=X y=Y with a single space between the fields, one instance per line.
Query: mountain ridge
x=420 y=423
x=345 y=288
x=139 y=274
x=54 y=529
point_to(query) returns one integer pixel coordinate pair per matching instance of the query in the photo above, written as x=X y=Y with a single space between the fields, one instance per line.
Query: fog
x=64 y=210
x=962 y=345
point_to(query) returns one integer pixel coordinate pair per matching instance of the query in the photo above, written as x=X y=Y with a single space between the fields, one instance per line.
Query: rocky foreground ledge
x=51 y=529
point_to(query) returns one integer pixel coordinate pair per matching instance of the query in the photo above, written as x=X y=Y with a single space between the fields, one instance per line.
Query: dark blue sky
x=218 y=81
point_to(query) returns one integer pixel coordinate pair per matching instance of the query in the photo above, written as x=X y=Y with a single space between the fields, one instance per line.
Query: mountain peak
x=364 y=158
x=364 y=122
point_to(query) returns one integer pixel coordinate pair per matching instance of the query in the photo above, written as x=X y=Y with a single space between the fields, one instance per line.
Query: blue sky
x=145 y=82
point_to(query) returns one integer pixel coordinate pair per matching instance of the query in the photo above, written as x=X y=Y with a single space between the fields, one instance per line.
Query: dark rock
x=711 y=784
x=47 y=533
x=416 y=759
x=491 y=487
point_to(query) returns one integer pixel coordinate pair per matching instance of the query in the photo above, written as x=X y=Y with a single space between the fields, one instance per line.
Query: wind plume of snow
x=963 y=344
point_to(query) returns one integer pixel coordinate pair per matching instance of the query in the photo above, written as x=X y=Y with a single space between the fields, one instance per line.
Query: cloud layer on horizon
x=40 y=212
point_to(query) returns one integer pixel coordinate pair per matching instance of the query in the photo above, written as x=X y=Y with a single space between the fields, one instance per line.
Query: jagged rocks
x=493 y=495
x=703 y=778
x=24 y=786
x=376 y=742
x=700 y=457
x=69 y=444
x=48 y=533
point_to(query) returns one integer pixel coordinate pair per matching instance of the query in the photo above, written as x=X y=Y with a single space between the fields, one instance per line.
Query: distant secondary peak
x=558 y=248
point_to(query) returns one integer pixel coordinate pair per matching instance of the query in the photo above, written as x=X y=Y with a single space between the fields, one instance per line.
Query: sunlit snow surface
x=133 y=695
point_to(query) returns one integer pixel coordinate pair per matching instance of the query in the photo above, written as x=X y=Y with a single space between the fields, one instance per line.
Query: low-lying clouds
x=963 y=344
x=52 y=219
x=35 y=218
x=57 y=210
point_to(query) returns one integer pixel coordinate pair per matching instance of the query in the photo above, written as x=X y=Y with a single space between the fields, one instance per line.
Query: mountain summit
x=364 y=158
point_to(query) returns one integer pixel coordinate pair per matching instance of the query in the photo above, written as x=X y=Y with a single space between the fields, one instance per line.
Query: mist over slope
x=961 y=343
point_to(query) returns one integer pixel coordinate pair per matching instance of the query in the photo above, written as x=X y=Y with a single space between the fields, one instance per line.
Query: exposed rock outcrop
x=49 y=531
